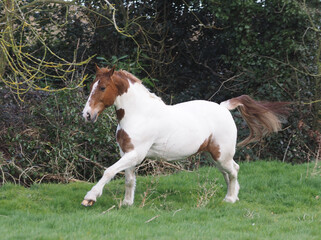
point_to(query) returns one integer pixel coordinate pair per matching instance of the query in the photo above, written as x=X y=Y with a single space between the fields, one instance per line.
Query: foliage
x=29 y=31
x=277 y=200
x=53 y=143
x=220 y=49
x=183 y=50
x=269 y=47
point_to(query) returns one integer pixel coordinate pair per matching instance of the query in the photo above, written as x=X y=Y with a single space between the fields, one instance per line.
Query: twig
x=153 y=218
x=178 y=210
x=112 y=207
x=148 y=193
x=171 y=165
x=317 y=158
x=222 y=84
x=287 y=148
x=95 y=163
x=77 y=180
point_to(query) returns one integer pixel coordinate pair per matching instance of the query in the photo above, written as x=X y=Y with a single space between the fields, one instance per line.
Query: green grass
x=277 y=201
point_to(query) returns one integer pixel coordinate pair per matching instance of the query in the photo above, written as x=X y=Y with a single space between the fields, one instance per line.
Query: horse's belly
x=168 y=154
x=177 y=146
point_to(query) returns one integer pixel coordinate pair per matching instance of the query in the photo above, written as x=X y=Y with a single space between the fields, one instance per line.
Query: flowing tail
x=262 y=118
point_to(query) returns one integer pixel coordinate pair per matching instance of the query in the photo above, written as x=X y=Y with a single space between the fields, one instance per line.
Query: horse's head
x=102 y=94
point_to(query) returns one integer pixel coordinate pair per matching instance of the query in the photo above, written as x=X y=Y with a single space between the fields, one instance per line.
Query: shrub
x=52 y=142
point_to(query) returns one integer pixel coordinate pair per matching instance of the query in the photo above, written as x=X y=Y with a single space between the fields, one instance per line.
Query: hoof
x=127 y=203
x=229 y=200
x=87 y=203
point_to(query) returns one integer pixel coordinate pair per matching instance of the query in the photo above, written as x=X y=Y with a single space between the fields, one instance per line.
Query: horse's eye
x=102 y=89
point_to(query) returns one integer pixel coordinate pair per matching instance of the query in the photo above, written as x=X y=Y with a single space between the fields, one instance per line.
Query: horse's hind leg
x=225 y=174
x=229 y=168
x=237 y=186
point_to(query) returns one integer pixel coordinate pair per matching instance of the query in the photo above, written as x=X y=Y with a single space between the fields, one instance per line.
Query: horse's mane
x=133 y=79
x=129 y=76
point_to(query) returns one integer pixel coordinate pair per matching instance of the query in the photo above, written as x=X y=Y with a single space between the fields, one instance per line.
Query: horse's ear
x=96 y=67
x=112 y=70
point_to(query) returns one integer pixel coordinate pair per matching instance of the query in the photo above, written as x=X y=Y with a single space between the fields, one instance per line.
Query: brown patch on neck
x=210 y=146
x=129 y=76
x=120 y=113
x=124 y=141
x=121 y=83
x=121 y=80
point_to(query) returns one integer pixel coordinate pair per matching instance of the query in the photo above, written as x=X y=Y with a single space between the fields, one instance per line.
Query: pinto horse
x=147 y=127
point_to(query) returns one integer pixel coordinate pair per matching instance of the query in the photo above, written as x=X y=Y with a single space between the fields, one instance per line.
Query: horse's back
x=185 y=126
x=211 y=114
x=215 y=118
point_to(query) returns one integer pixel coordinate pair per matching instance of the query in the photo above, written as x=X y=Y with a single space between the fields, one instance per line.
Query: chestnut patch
x=120 y=113
x=121 y=84
x=124 y=141
x=210 y=146
x=130 y=77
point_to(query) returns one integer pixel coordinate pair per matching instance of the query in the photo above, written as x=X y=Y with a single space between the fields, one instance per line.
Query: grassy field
x=277 y=201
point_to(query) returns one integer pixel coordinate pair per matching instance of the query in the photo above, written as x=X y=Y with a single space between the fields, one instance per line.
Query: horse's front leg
x=130 y=184
x=127 y=161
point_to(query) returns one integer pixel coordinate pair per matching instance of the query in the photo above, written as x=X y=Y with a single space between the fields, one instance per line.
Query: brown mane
x=124 y=74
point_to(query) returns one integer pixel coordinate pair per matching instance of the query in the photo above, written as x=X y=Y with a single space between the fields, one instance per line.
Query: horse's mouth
x=94 y=118
x=90 y=118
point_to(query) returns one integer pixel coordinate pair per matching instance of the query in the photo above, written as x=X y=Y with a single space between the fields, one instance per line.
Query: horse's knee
x=229 y=167
x=236 y=166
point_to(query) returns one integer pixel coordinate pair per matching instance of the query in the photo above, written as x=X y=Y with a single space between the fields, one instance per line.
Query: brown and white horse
x=147 y=127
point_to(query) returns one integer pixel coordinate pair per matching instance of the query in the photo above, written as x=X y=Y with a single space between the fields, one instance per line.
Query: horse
x=147 y=127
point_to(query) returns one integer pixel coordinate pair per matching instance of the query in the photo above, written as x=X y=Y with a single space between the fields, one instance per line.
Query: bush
x=52 y=142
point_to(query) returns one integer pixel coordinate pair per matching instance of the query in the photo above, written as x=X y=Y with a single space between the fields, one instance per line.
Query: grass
x=277 y=201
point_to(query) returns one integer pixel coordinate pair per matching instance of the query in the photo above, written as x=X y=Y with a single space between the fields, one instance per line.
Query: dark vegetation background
x=182 y=50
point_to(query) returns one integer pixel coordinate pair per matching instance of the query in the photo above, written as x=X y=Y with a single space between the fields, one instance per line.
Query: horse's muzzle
x=90 y=117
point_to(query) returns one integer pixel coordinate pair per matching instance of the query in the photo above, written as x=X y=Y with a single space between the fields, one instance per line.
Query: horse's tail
x=262 y=118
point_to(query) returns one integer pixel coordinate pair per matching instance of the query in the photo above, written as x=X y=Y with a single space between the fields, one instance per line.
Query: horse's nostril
x=88 y=116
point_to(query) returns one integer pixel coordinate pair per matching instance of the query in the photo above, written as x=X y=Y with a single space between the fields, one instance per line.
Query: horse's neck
x=138 y=100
